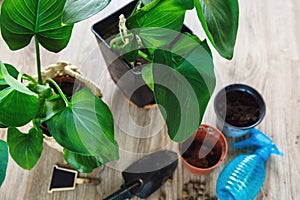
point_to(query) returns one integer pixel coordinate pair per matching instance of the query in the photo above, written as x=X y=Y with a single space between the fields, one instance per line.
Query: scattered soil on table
x=194 y=190
x=191 y=155
x=239 y=108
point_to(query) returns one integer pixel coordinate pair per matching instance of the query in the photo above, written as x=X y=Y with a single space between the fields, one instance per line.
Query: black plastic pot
x=239 y=108
x=129 y=80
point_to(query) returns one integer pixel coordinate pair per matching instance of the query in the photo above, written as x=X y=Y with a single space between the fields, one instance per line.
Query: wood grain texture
x=267 y=57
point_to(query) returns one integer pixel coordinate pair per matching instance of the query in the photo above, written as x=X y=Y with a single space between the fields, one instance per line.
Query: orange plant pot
x=204 y=151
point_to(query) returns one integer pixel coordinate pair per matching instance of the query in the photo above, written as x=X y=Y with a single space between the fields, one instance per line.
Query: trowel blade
x=153 y=170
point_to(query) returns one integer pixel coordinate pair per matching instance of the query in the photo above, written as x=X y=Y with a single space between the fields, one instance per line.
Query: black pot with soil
x=238 y=108
x=128 y=80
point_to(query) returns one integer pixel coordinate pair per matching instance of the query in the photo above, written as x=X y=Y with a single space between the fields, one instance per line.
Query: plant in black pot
x=153 y=57
x=82 y=125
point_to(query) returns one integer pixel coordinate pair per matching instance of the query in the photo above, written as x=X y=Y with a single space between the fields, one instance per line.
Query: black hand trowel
x=146 y=175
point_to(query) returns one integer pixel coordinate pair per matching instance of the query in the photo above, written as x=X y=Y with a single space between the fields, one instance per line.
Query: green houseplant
x=178 y=67
x=83 y=126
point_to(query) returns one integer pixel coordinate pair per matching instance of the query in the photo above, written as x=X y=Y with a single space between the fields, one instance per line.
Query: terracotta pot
x=204 y=151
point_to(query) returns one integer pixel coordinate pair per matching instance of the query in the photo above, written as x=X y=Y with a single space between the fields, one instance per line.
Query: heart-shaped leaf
x=85 y=126
x=23 y=19
x=185 y=78
x=219 y=19
x=25 y=148
x=3 y=160
x=153 y=22
x=86 y=164
x=78 y=10
x=16 y=100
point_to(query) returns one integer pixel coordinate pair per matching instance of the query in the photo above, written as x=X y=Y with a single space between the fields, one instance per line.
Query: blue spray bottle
x=243 y=177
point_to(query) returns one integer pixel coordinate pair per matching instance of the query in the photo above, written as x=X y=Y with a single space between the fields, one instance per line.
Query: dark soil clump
x=191 y=155
x=239 y=109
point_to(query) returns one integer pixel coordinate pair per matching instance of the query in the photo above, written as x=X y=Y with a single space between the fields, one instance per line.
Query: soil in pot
x=240 y=109
x=68 y=85
x=191 y=155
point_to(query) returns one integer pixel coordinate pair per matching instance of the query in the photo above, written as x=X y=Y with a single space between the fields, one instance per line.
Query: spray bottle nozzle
x=259 y=139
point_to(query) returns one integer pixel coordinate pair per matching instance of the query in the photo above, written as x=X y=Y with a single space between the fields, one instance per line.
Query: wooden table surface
x=266 y=57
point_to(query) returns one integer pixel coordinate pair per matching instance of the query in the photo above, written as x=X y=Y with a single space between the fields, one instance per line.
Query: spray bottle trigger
x=257 y=138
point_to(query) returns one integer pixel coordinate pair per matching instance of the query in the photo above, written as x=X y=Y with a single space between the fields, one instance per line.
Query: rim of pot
x=222 y=156
x=244 y=88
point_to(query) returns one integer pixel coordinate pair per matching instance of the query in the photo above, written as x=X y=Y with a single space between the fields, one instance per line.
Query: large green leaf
x=3 y=160
x=86 y=164
x=78 y=10
x=153 y=22
x=85 y=126
x=185 y=78
x=23 y=19
x=219 y=19
x=16 y=100
x=25 y=148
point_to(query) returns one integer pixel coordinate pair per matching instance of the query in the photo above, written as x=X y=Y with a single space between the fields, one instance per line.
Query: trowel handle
x=124 y=192
x=121 y=194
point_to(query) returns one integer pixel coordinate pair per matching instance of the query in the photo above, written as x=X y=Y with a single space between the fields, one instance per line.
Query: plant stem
x=49 y=80
x=38 y=60
x=29 y=78
x=145 y=56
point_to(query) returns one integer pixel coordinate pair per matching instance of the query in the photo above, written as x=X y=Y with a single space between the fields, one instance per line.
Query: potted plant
x=204 y=151
x=151 y=56
x=83 y=125
x=239 y=108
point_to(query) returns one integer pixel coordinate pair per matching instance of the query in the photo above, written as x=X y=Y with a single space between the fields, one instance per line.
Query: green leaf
x=86 y=164
x=78 y=10
x=186 y=4
x=148 y=76
x=25 y=148
x=130 y=50
x=49 y=108
x=12 y=72
x=3 y=160
x=14 y=103
x=219 y=19
x=145 y=2
x=187 y=82
x=16 y=100
x=23 y=19
x=12 y=82
x=153 y=22
x=2 y=125
x=85 y=126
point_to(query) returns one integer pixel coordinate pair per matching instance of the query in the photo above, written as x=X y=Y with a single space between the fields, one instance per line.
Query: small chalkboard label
x=62 y=179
